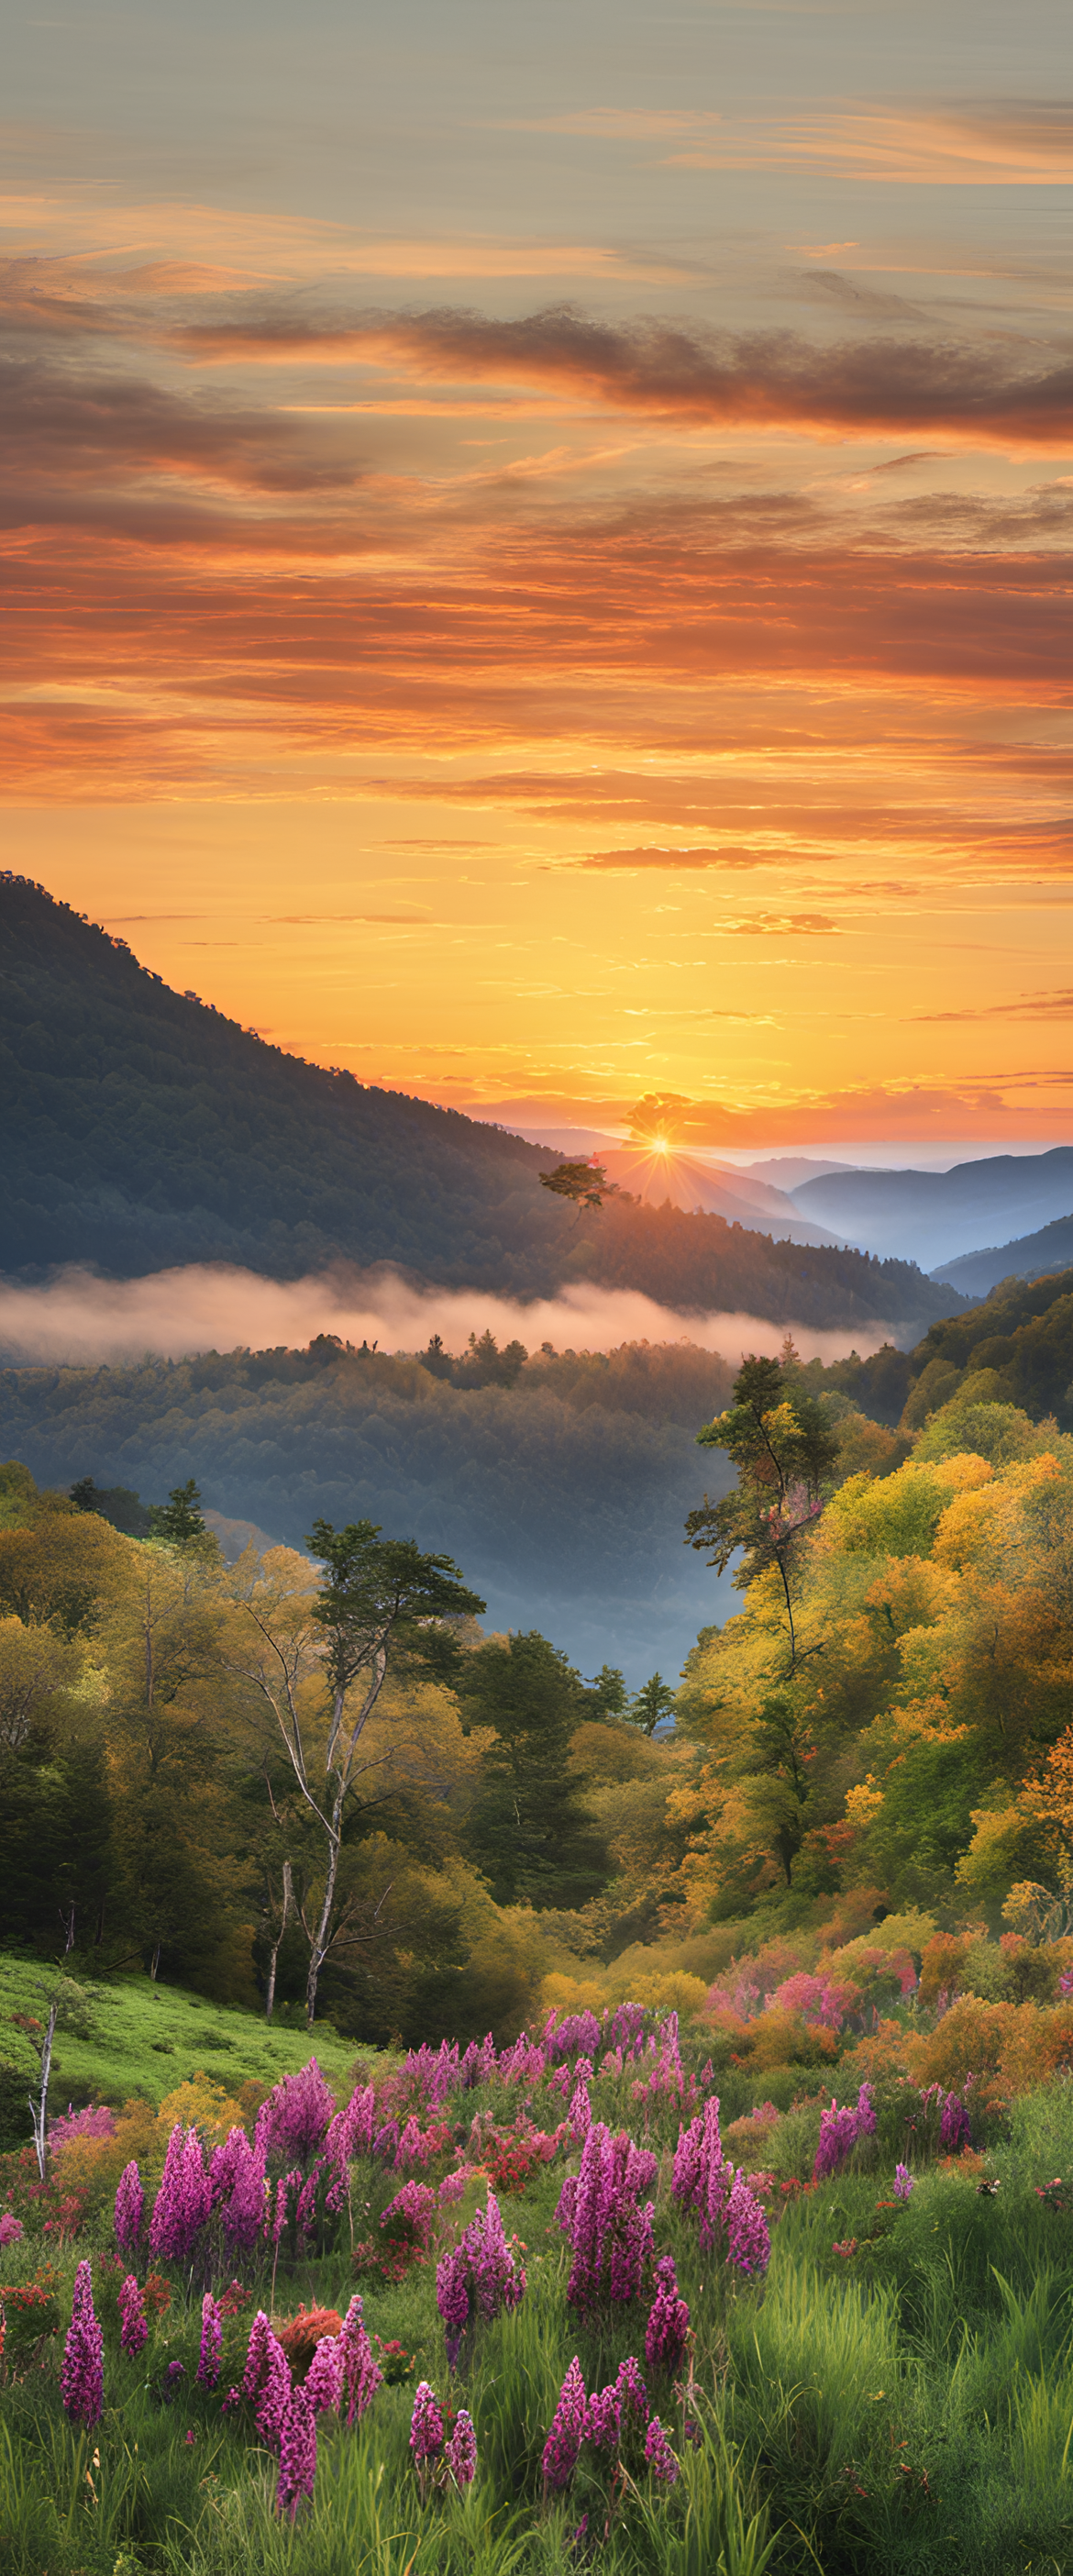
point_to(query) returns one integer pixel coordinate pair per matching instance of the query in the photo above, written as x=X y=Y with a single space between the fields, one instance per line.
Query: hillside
x=562 y=1495
x=936 y=1217
x=1016 y=1348
x=1029 y=1256
x=141 y=1129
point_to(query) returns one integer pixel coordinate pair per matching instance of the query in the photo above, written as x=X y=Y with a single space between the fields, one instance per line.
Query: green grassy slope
x=131 y=2036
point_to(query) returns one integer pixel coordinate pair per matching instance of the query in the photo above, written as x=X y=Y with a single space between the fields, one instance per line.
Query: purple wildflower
x=611 y=2239
x=212 y=2342
x=426 y=2425
x=748 y=2241
x=659 y=2455
x=267 y=2380
x=133 y=2330
x=603 y=2419
x=243 y=2214
x=954 y=2130
x=297 y=2454
x=129 y=2208
x=182 y=2202
x=292 y=2123
x=82 y=2377
x=11 y=2228
x=668 y=2321
x=480 y=2277
x=580 y=2111
x=701 y=2179
x=361 y=2373
x=461 y=2451
x=563 y=2446
x=413 y=2210
x=324 y=2377
x=839 y=2132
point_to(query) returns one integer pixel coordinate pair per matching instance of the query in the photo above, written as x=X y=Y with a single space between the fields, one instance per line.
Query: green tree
x=784 y=1447
x=652 y=1703
x=586 y=1185
x=529 y=1831
x=179 y=1521
x=382 y=1607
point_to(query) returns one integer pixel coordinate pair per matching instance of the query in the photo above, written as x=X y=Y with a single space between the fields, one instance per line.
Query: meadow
x=863 y=2356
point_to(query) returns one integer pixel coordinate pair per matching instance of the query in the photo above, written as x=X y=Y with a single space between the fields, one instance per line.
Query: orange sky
x=540 y=582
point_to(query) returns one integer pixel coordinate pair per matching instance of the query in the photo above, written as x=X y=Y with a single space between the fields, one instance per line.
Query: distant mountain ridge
x=140 y=1129
x=1029 y=1256
x=938 y=1217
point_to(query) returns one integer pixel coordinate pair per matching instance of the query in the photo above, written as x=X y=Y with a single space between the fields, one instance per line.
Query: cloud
x=1029 y=1006
x=659 y=858
x=1014 y=143
x=970 y=395
x=775 y=925
x=79 y=1320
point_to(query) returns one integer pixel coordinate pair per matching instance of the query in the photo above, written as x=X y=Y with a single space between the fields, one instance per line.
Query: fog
x=80 y=1319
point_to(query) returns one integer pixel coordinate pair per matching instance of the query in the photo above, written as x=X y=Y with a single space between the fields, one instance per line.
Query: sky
x=537 y=543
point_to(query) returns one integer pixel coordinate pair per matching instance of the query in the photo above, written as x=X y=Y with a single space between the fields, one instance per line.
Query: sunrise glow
x=573 y=603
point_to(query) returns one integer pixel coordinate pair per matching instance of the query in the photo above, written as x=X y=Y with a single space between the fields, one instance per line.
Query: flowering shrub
x=294 y=2120
x=408 y=2219
x=610 y=2234
x=11 y=2229
x=840 y=2131
x=82 y=2376
x=479 y=2278
x=300 y=2335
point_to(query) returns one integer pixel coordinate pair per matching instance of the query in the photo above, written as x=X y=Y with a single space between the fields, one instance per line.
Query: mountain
x=1030 y=1256
x=934 y=1217
x=712 y=1189
x=140 y=1129
x=1015 y=1348
x=562 y=1494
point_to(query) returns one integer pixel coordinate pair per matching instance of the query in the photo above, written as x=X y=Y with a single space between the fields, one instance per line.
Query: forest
x=141 y=1129
x=698 y=2197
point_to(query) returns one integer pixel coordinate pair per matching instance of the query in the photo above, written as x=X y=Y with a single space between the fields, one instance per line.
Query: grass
x=131 y=2036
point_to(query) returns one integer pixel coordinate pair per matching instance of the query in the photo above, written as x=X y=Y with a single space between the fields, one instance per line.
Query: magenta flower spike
x=667 y=2330
x=603 y=2422
x=748 y=2240
x=903 y=2182
x=659 y=2455
x=426 y=2425
x=461 y=2451
x=82 y=2376
x=129 y=2209
x=212 y=2342
x=324 y=2378
x=295 y=2119
x=267 y=2381
x=563 y=2446
x=182 y=2202
x=133 y=2328
x=362 y=2375
x=297 y=2454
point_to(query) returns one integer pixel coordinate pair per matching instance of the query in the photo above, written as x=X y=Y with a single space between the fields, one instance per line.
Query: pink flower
x=212 y=2339
x=668 y=2320
x=293 y=2122
x=324 y=2377
x=659 y=2455
x=82 y=2377
x=361 y=2372
x=182 y=2202
x=748 y=2241
x=267 y=2380
x=134 y=2332
x=461 y=2451
x=297 y=2454
x=11 y=2228
x=481 y=2277
x=562 y=2449
x=426 y=2425
x=95 y=2121
x=129 y=2208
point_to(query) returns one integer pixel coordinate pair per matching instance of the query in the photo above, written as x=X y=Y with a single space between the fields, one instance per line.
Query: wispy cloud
x=1019 y=143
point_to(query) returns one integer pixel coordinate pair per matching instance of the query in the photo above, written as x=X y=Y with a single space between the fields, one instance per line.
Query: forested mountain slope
x=1016 y=1348
x=562 y=1494
x=141 y=1129
x=1029 y=1256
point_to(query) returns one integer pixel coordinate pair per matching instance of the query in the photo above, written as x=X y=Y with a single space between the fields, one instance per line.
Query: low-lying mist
x=80 y=1319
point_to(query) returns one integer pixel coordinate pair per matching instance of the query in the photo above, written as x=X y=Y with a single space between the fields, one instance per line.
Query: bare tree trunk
x=68 y=1921
x=288 y=1894
x=318 y=1947
x=38 y=2108
x=156 y=1963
